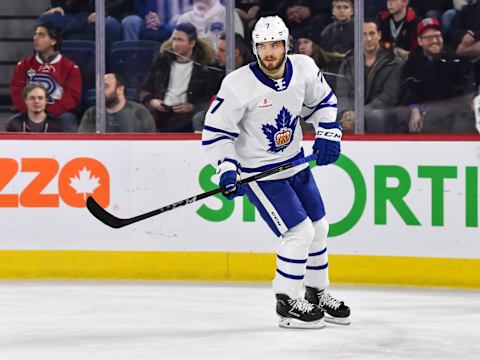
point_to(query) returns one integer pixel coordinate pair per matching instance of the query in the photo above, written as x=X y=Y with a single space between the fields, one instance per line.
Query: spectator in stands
x=251 y=10
x=216 y=72
x=241 y=55
x=467 y=34
x=208 y=17
x=248 y=11
x=150 y=21
x=382 y=82
x=439 y=9
x=339 y=35
x=300 y=14
x=328 y=62
x=398 y=27
x=76 y=18
x=60 y=76
x=437 y=87
x=35 y=118
x=122 y=115
x=175 y=87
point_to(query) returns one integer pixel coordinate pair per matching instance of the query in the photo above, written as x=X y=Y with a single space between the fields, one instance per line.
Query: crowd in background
x=422 y=64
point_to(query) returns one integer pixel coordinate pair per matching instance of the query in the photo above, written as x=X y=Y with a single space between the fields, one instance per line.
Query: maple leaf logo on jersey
x=280 y=136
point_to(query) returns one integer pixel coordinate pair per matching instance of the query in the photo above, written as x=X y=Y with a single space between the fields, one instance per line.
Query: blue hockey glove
x=229 y=171
x=327 y=143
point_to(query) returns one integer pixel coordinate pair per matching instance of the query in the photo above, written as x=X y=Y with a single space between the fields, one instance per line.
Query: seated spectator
x=300 y=14
x=122 y=115
x=437 y=87
x=76 y=18
x=241 y=56
x=150 y=21
x=216 y=73
x=442 y=10
x=467 y=30
x=208 y=17
x=398 y=27
x=35 y=118
x=248 y=10
x=59 y=75
x=339 y=35
x=327 y=62
x=382 y=82
x=175 y=87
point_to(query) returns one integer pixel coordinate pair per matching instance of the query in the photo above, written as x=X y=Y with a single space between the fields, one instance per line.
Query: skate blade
x=336 y=320
x=297 y=324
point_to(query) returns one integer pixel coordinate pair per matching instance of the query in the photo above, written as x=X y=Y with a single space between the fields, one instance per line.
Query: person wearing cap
x=175 y=86
x=383 y=71
x=437 y=86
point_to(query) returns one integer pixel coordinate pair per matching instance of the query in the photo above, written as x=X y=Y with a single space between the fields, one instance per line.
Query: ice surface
x=169 y=320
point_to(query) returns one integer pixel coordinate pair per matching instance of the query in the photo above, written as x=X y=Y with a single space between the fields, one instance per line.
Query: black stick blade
x=103 y=215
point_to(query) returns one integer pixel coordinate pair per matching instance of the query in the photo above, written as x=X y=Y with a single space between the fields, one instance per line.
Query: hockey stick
x=115 y=222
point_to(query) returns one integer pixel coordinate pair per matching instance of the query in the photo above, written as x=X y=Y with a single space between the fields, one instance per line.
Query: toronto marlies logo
x=280 y=136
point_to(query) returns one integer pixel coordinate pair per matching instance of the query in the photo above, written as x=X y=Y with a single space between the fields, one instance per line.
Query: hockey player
x=252 y=126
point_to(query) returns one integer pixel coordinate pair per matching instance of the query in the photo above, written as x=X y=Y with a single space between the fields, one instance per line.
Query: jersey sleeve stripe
x=214 y=129
x=318 y=107
x=208 y=142
x=325 y=100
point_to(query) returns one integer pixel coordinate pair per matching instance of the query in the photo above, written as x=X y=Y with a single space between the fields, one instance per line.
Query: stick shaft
x=115 y=222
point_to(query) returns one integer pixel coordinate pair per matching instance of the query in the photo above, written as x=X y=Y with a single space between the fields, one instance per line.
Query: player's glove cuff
x=228 y=165
x=329 y=131
x=229 y=171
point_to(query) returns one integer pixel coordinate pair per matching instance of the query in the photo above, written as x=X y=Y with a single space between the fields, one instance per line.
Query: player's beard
x=273 y=66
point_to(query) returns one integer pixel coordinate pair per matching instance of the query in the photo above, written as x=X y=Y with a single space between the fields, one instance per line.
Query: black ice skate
x=298 y=313
x=335 y=310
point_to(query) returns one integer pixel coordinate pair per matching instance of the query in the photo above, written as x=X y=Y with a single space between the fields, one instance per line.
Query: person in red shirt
x=398 y=27
x=59 y=75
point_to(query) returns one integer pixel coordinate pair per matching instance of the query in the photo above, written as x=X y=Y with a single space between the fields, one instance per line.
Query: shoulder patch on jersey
x=281 y=135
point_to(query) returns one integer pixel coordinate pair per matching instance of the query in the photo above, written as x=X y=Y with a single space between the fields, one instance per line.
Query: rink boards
x=401 y=212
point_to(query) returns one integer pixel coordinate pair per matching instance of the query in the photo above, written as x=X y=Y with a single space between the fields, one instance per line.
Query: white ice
x=166 y=320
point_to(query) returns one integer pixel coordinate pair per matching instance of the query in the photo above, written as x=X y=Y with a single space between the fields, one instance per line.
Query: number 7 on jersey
x=219 y=101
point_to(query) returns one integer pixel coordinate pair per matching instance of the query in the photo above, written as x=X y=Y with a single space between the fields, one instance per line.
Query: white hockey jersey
x=255 y=120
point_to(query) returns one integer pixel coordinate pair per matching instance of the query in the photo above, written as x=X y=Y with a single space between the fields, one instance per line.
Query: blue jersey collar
x=277 y=85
